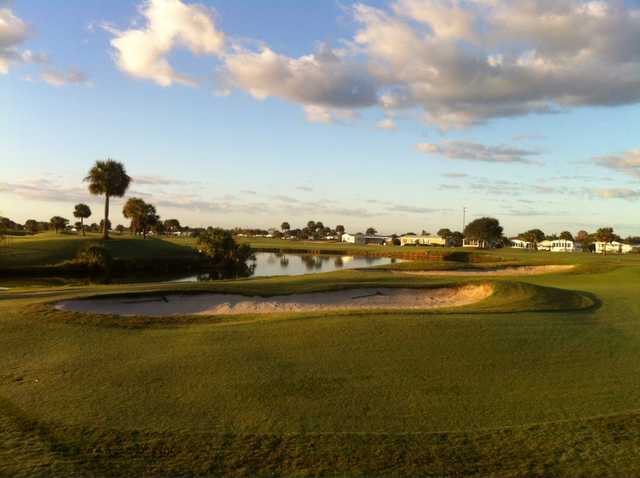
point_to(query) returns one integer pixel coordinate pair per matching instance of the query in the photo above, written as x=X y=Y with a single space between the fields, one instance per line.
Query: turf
x=539 y=380
x=49 y=249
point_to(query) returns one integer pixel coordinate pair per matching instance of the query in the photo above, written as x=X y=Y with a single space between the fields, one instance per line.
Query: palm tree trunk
x=105 y=228
x=82 y=225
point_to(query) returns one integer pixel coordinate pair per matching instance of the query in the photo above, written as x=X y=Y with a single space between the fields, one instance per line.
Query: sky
x=393 y=114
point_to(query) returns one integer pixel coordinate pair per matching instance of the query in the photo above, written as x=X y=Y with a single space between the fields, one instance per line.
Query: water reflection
x=273 y=264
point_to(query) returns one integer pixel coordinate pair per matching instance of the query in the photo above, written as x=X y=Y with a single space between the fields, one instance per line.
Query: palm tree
x=82 y=211
x=110 y=178
x=285 y=227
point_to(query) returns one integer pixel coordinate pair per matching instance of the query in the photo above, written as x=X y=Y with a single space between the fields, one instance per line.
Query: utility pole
x=464 y=218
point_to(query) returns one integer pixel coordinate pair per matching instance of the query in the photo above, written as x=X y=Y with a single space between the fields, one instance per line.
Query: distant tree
x=606 y=235
x=120 y=229
x=566 y=235
x=158 y=227
x=172 y=225
x=58 y=223
x=143 y=216
x=340 y=229
x=319 y=226
x=31 y=226
x=82 y=211
x=552 y=237
x=445 y=233
x=371 y=231
x=311 y=225
x=224 y=253
x=456 y=238
x=108 y=178
x=582 y=236
x=484 y=229
x=533 y=235
x=285 y=227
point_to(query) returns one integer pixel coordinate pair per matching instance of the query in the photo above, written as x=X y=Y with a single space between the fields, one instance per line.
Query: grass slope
x=51 y=249
x=541 y=379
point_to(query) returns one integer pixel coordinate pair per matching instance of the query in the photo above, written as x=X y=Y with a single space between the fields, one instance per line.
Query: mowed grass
x=539 y=380
x=48 y=249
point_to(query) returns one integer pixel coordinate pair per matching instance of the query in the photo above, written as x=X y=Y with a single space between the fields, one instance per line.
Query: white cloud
x=326 y=84
x=64 y=78
x=387 y=123
x=627 y=162
x=13 y=32
x=169 y=24
x=468 y=61
x=460 y=62
x=464 y=150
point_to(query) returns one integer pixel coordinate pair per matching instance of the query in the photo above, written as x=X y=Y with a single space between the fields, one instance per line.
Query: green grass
x=541 y=379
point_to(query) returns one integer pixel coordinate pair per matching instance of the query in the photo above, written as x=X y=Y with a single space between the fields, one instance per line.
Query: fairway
x=543 y=363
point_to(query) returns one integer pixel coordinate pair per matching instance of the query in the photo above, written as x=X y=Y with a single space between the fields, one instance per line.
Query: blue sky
x=560 y=154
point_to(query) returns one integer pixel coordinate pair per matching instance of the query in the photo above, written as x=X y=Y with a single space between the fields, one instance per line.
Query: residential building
x=520 y=244
x=424 y=241
x=545 y=245
x=614 y=247
x=478 y=244
x=357 y=238
x=565 y=245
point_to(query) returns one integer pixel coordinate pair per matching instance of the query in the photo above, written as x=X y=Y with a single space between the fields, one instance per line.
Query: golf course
x=537 y=375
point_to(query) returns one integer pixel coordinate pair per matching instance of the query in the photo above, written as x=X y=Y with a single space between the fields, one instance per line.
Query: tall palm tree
x=82 y=211
x=110 y=178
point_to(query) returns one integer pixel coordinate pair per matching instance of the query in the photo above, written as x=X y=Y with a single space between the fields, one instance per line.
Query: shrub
x=96 y=259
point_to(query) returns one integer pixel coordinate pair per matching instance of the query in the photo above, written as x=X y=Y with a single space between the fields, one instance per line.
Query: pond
x=274 y=264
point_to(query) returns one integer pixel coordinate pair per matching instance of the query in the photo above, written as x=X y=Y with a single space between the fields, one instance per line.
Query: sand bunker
x=504 y=271
x=228 y=304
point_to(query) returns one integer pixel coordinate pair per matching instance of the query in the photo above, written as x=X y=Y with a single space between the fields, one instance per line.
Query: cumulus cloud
x=468 y=61
x=464 y=150
x=13 y=32
x=459 y=62
x=64 y=78
x=328 y=85
x=168 y=25
x=627 y=162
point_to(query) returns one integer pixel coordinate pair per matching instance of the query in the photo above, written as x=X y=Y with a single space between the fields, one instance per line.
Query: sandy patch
x=229 y=304
x=505 y=271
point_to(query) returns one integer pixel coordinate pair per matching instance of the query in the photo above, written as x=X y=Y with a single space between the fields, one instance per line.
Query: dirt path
x=229 y=304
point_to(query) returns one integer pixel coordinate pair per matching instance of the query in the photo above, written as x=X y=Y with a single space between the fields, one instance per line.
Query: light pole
x=464 y=218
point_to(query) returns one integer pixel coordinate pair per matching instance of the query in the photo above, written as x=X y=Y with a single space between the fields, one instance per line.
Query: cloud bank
x=469 y=151
x=459 y=62
x=627 y=162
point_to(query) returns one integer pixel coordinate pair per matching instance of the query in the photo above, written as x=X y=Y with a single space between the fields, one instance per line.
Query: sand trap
x=505 y=271
x=228 y=304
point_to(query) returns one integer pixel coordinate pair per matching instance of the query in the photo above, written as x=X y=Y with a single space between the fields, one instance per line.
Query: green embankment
x=541 y=379
x=50 y=253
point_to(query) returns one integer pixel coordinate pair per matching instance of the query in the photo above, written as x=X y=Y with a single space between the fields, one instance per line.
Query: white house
x=424 y=241
x=565 y=245
x=478 y=244
x=614 y=247
x=545 y=245
x=357 y=238
x=520 y=244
